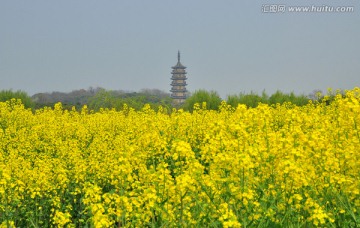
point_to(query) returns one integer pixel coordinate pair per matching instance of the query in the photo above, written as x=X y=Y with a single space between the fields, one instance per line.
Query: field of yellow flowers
x=275 y=166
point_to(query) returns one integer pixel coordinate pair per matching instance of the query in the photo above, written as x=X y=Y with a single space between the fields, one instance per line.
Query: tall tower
x=178 y=84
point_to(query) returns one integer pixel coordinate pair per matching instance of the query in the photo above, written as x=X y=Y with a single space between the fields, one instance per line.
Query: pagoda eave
x=178 y=84
x=179 y=77
x=179 y=67
x=178 y=90
x=174 y=72
x=178 y=97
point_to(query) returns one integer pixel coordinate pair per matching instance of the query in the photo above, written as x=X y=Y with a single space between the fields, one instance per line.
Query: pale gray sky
x=230 y=46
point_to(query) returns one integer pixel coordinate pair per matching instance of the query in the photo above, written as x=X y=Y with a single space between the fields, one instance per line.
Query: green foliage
x=329 y=97
x=114 y=99
x=97 y=98
x=212 y=100
x=250 y=100
x=76 y=98
x=280 y=97
x=104 y=99
x=6 y=95
x=253 y=99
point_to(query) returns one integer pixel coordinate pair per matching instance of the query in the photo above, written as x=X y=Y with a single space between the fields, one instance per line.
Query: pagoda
x=178 y=84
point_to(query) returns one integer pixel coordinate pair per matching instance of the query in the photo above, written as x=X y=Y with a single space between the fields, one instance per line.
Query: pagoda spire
x=178 y=56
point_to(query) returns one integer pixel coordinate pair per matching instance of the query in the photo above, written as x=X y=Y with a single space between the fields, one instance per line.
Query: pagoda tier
x=178 y=97
x=179 y=65
x=174 y=83
x=178 y=73
x=178 y=89
x=174 y=77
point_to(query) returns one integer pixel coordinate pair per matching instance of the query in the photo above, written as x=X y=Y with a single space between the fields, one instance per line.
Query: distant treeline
x=6 y=95
x=97 y=98
x=251 y=99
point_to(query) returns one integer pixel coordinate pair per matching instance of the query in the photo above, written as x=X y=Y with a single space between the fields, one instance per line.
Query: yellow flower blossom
x=279 y=165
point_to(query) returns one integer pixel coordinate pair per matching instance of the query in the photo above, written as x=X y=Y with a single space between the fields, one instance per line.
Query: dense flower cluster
x=266 y=166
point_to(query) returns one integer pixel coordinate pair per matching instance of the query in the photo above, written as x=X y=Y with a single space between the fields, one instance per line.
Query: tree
x=211 y=98
x=6 y=95
x=117 y=99
x=250 y=100
x=280 y=97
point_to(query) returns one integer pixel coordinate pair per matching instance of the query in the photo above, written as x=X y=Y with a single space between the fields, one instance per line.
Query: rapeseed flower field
x=270 y=166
